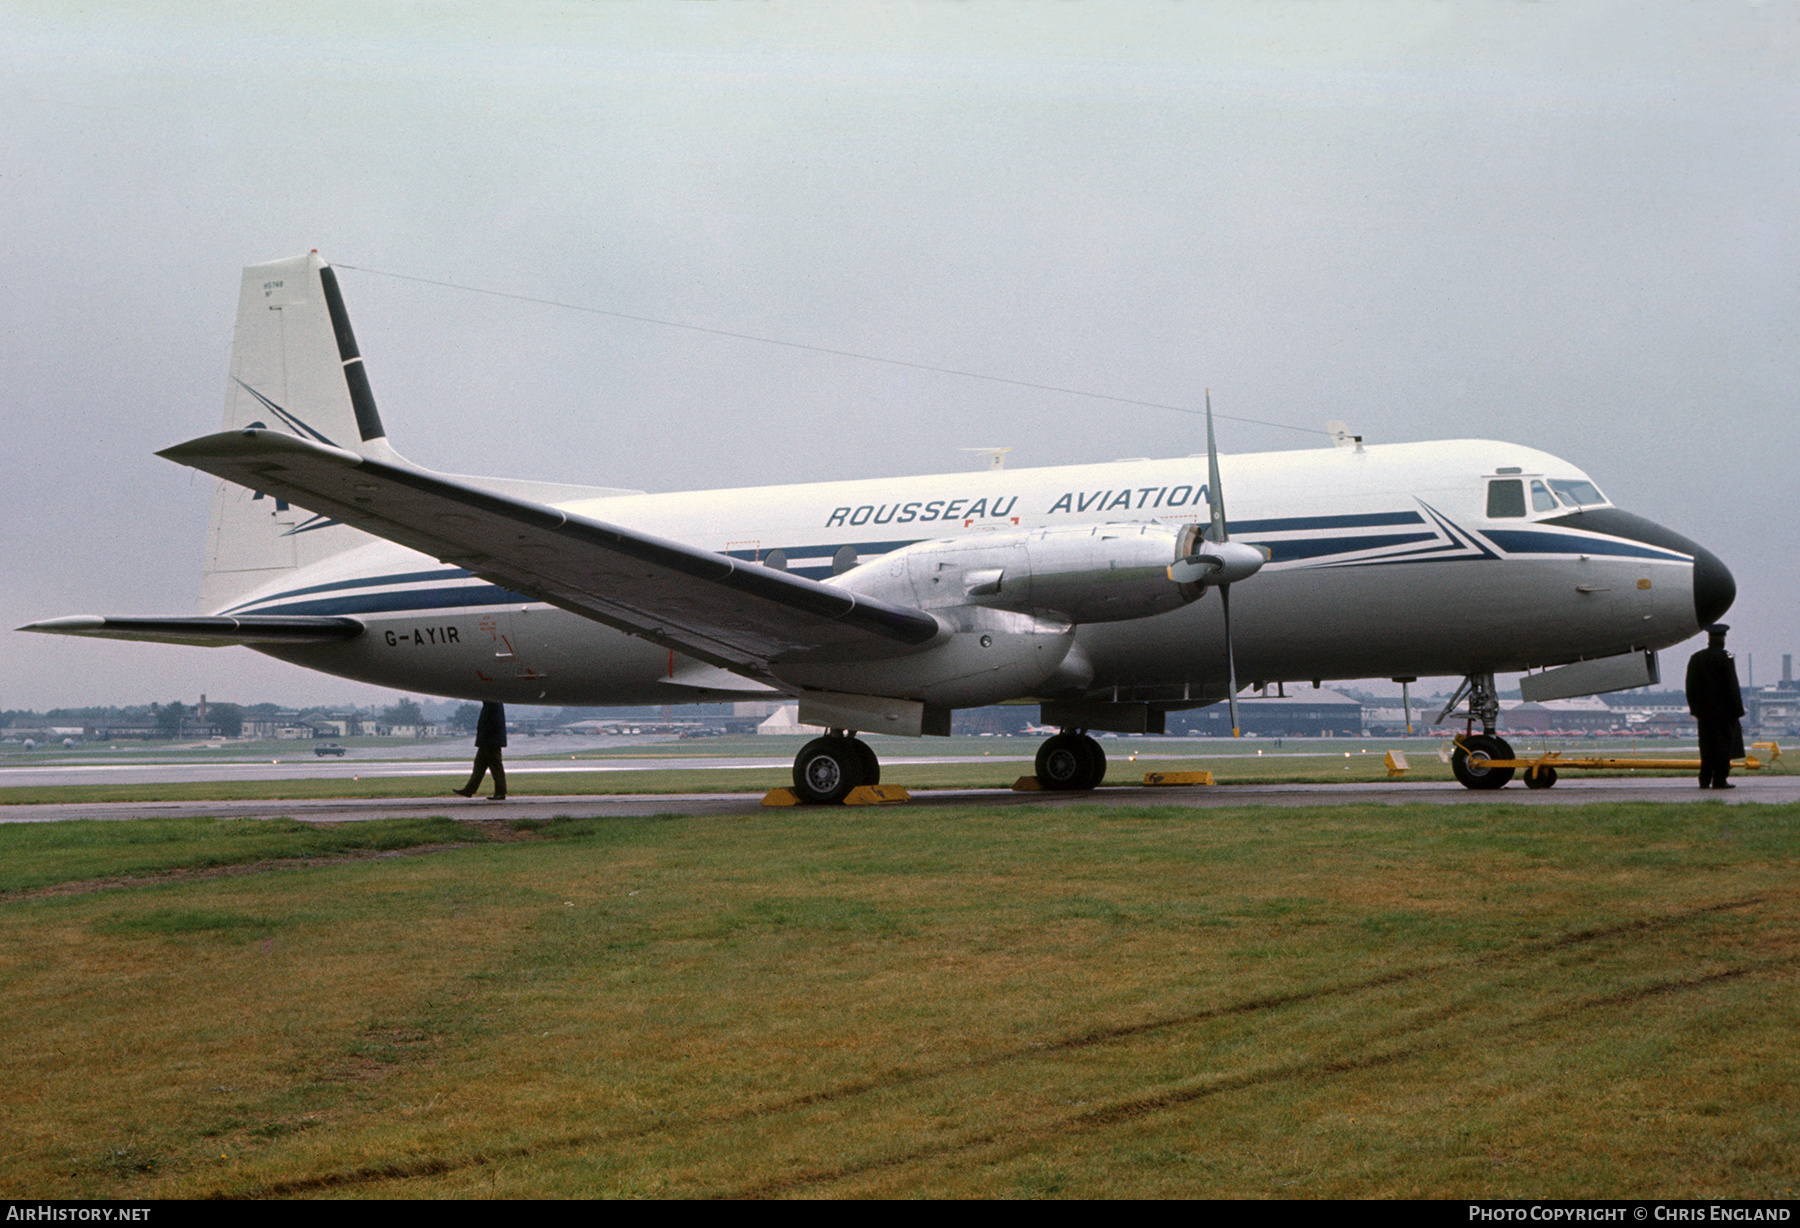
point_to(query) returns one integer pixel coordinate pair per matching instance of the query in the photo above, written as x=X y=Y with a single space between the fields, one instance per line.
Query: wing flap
x=724 y=611
x=206 y=632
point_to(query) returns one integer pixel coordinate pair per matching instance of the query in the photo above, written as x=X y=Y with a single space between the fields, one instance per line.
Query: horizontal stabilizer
x=205 y=632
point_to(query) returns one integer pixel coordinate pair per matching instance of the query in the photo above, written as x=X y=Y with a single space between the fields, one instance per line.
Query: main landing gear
x=1070 y=762
x=827 y=768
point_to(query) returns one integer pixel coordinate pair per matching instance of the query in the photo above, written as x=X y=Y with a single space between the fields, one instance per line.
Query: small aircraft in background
x=1108 y=594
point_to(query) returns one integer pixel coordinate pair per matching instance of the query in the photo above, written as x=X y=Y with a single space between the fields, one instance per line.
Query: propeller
x=1219 y=561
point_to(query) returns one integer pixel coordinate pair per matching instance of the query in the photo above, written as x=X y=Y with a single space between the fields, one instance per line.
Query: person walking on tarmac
x=490 y=736
x=1718 y=705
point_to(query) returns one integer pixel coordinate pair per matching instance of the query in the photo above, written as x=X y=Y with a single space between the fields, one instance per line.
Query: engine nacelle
x=984 y=657
x=1074 y=574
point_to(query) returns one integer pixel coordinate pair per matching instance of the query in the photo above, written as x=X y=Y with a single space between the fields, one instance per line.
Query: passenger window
x=1541 y=499
x=1506 y=498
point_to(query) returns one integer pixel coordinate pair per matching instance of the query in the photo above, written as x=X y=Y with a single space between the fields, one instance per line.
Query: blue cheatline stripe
x=1314 y=547
x=1525 y=541
x=1287 y=524
x=406 y=577
x=1365 y=520
x=1428 y=545
x=1280 y=551
x=459 y=597
x=1449 y=552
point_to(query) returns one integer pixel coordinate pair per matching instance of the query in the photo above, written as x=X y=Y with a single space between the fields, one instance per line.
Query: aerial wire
x=821 y=349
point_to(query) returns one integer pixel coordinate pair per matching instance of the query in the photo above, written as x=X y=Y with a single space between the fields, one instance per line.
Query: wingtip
x=72 y=624
x=249 y=441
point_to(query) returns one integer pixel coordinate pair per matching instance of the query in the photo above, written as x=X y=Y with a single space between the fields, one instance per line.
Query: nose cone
x=1714 y=588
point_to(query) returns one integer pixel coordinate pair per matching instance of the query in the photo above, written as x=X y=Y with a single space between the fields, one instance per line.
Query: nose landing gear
x=1472 y=760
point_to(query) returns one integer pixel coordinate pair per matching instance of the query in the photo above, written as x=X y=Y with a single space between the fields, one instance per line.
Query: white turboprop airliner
x=882 y=605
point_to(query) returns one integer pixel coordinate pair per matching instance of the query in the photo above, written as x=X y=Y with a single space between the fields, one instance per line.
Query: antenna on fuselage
x=996 y=456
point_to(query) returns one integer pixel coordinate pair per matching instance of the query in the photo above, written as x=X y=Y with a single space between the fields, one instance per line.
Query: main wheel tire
x=1540 y=778
x=1061 y=763
x=1070 y=763
x=871 y=766
x=1471 y=762
x=1096 y=762
x=826 y=769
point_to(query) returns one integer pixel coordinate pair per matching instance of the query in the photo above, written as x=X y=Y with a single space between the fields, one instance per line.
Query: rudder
x=295 y=367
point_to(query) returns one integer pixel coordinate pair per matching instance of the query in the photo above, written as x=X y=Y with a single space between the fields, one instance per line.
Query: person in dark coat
x=1718 y=705
x=490 y=736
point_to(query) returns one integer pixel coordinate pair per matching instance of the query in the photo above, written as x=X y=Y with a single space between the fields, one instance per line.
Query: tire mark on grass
x=1631 y=996
x=903 y=1077
x=1249 y=1006
x=492 y=831
x=1014 y=1142
x=188 y=874
x=1649 y=923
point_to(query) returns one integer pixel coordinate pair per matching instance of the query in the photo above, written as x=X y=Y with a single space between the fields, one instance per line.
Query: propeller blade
x=1223 y=563
x=1215 y=494
x=1230 y=657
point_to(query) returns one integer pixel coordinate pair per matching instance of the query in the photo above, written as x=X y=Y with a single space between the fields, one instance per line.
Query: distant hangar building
x=1308 y=713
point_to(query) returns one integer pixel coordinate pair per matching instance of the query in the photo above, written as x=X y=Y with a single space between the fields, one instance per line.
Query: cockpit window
x=1541 y=499
x=1577 y=493
x=1506 y=497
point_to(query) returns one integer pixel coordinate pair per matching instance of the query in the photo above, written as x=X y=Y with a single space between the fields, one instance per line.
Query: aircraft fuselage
x=1384 y=562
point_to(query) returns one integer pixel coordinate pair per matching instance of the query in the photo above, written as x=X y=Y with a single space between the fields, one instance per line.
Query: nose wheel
x=1070 y=763
x=1472 y=762
x=827 y=768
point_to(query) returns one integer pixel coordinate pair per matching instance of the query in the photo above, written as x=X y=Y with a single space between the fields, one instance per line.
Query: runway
x=535 y=757
x=545 y=758
x=1751 y=790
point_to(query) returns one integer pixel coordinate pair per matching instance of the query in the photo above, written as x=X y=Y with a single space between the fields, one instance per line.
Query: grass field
x=1475 y=1000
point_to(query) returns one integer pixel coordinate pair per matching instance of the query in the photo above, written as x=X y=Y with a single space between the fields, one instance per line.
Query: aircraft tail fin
x=295 y=368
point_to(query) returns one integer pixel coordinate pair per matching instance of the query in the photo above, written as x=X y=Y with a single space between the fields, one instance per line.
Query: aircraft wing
x=727 y=612
x=206 y=632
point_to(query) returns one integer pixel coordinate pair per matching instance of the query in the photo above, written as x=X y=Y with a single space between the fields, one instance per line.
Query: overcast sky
x=1565 y=225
